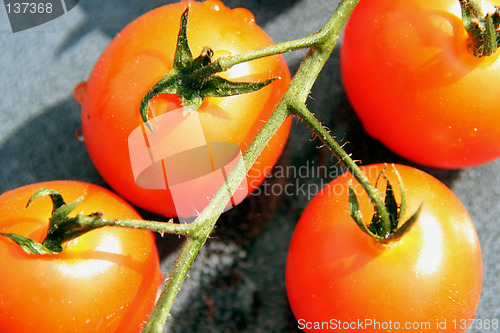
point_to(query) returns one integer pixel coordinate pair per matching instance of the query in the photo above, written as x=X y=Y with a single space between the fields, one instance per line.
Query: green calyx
x=62 y=227
x=190 y=82
x=483 y=30
x=377 y=229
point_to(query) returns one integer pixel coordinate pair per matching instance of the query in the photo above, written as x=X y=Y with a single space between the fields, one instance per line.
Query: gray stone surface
x=237 y=282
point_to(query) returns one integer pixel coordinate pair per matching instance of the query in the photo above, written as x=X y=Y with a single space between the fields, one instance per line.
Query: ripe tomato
x=415 y=86
x=103 y=281
x=337 y=274
x=139 y=57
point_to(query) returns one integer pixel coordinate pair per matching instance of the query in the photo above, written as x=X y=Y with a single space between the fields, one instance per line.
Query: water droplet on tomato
x=473 y=133
x=214 y=4
x=79 y=92
x=245 y=15
x=458 y=143
x=79 y=135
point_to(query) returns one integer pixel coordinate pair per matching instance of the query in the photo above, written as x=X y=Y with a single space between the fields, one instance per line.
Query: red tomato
x=141 y=55
x=337 y=274
x=416 y=87
x=103 y=281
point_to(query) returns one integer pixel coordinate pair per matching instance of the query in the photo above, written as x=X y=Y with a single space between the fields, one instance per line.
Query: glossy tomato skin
x=142 y=54
x=103 y=281
x=412 y=81
x=335 y=273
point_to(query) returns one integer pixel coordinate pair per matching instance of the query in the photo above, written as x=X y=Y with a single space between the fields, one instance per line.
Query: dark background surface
x=237 y=281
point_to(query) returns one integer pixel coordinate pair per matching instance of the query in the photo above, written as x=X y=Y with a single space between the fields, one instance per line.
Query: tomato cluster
x=409 y=74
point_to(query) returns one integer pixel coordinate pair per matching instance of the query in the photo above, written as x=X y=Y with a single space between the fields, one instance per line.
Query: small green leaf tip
x=483 y=30
x=28 y=245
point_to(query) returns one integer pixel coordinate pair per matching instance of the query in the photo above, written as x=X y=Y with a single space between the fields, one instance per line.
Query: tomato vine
x=293 y=102
x=321 y=45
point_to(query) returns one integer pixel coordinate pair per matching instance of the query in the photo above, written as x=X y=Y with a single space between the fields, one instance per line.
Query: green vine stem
x=347 y=162
x=155 y=226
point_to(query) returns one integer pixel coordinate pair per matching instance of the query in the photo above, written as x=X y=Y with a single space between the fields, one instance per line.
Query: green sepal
x=405 y=227
x=60 y=214
x=28 y=245
x=471 y=14
x=402 y=205
x=483 y=30
x=355 y=212
x=57 y=199
x=167 y=85
x=376 y=225
x=217 y=86
x=183 y=55
x=376 y=229
x=62 y=227
x=186 y=80
x=60 y=209
x=392 y=206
